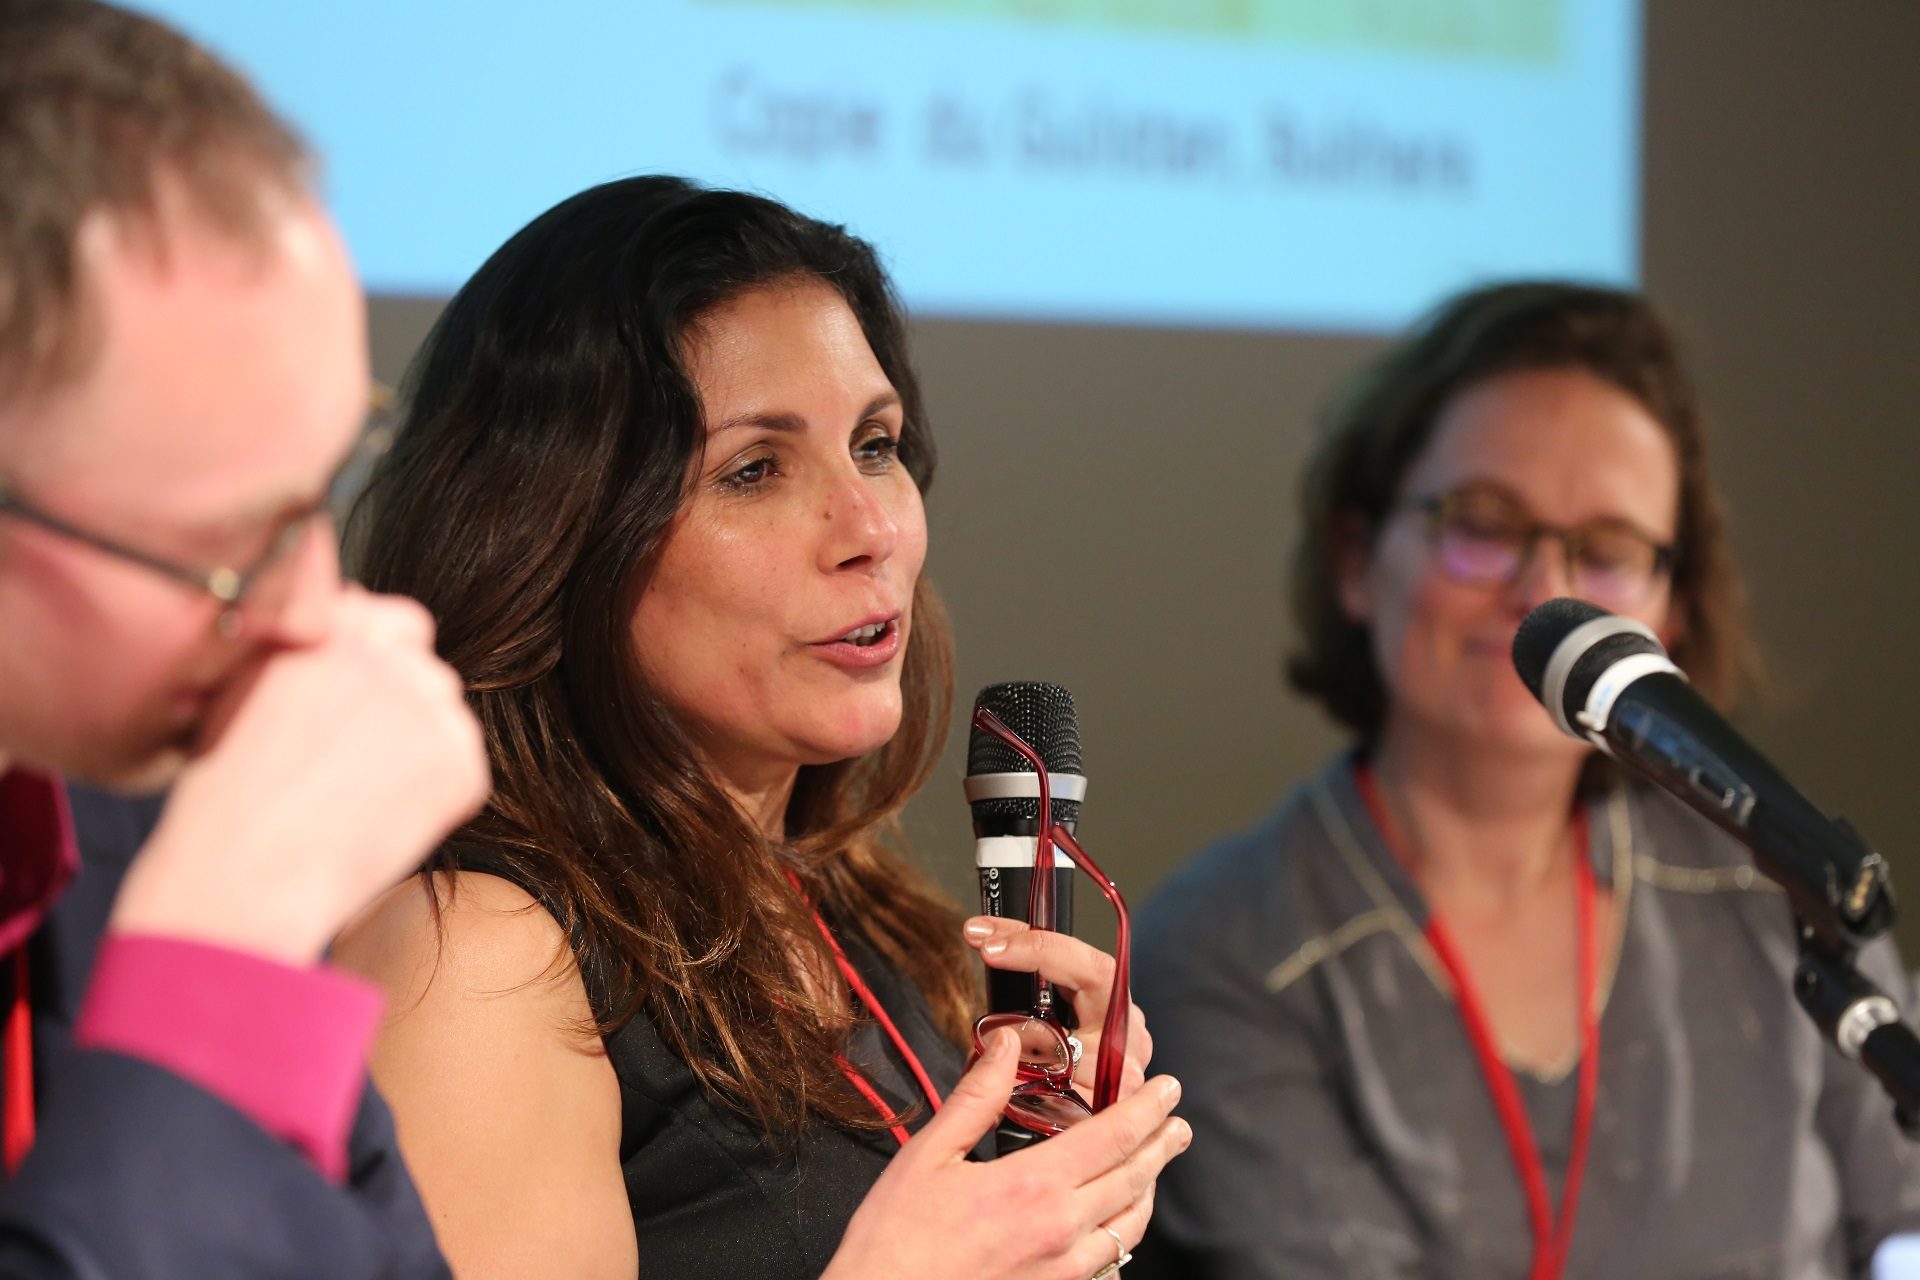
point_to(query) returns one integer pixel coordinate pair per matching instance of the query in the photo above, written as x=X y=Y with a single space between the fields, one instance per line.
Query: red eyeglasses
x=1044 y=1102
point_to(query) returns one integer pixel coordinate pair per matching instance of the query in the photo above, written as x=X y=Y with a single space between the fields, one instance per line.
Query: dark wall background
x=1113 y=506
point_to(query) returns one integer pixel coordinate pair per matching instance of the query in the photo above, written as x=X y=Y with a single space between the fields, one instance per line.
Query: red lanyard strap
x=872 y=1002
x=19 y=1123
x=1551 y=1242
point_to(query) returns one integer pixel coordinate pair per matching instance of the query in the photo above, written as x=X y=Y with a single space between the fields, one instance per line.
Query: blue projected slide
x=1328 y=164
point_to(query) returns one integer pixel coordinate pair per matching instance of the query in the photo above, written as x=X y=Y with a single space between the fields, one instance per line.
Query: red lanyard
x=1550 y=1244
x=18 y=1129
x=872 y=1003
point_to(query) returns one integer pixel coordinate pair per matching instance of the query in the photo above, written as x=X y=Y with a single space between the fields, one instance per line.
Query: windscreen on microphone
x=1043 y=715
x=1563 y=649
x=1541 y=633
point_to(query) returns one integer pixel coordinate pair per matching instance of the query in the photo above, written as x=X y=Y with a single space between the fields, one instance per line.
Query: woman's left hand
x=1082 y=972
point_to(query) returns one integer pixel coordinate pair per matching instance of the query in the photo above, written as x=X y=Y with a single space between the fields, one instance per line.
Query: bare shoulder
x=462 y=936
x=507 y=1106
x=479 y=981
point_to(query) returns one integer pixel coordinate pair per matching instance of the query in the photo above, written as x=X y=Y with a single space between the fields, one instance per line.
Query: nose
x=861 y=532
x=1547 y=574
x=293 y=606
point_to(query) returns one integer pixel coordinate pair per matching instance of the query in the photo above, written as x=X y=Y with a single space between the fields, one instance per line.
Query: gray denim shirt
x=1341 y=1124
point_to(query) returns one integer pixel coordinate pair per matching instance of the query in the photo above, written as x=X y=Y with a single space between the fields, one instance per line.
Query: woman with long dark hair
x=672 y=1000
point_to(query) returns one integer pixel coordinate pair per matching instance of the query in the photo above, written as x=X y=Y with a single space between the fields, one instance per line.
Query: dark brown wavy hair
x=551 y=431
x=1379 y=424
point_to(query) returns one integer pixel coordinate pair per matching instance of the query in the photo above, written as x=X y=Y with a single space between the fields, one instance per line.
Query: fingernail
x=1002 y=1043
x=1170 y=1087
x=979 y=928
x=1184 y=1132
x=995 y=947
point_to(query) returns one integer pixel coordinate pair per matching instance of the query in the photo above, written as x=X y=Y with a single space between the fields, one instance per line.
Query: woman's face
x=777 y=616
x=1558 y=447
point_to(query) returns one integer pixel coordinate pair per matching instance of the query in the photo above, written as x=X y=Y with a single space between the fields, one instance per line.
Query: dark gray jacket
x=136 y=1173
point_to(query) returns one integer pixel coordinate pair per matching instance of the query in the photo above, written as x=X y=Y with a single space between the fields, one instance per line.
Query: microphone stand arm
x=1859 y=1019
x=1854 y=1016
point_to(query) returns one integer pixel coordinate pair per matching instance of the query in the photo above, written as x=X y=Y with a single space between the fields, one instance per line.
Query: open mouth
x=868 y=636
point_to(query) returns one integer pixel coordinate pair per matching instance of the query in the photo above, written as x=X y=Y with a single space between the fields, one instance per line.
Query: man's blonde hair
x=98 y=108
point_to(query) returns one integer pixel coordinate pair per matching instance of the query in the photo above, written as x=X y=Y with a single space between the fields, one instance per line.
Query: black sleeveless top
x=715 y=1198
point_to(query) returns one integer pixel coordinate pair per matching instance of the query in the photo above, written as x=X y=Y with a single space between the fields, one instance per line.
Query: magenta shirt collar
x=37 y=852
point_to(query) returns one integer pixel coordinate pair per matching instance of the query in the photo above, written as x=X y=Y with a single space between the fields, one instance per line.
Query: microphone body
x=1606 y=680
x=1004 y=864
x=1003 y=792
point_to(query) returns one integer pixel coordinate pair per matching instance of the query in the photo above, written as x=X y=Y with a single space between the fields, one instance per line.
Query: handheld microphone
x=1606 y=680
x=1004 y=793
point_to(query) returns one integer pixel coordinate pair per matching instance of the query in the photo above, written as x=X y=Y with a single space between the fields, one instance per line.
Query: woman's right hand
x=1036 y=1214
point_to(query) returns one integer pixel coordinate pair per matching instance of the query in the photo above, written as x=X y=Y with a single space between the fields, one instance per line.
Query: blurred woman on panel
x=670 y=1003
x=1471 y=1003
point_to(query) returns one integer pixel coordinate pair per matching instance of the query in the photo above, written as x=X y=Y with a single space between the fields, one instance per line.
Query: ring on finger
x=1120 y=1256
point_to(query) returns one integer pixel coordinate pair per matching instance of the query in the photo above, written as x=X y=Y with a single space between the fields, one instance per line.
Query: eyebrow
x=277 y=512
x=216 y=537
x=794 y=422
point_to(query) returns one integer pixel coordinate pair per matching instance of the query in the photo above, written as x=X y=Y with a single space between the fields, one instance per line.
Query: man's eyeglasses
x=230 y=584
x=1044 y=1101
x=1484 y=538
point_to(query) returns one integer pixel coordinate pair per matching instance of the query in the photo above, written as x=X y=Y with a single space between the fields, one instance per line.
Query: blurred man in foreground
x=183 y=378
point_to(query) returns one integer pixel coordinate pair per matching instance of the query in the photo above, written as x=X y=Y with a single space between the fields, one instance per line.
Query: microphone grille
x=1042 y=714
x=1541 y=633
x=1039 y=712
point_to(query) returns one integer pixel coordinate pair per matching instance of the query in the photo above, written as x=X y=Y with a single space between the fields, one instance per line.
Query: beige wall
x=1112 y=504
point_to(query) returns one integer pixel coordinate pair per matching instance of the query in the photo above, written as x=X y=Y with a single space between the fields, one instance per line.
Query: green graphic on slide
x=1507 y=30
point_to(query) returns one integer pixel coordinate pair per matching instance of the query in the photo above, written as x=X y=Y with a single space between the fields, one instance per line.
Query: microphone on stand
x=1607 y=680
x=1004 y=793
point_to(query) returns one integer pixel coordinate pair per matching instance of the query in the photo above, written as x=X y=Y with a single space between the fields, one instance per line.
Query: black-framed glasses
x=230 y=585
x=1484 y=537
x=1044 y=1102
